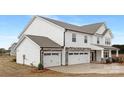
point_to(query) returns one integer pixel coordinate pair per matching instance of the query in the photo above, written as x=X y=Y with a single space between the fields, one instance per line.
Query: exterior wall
x=31 y=52
x=107 y=35
x=98 y=55
x=63 y=56
x=41 y=27
x=12 y=53
x=79 y=39
x=94 y=39
x=12 y=49
x=102 y=39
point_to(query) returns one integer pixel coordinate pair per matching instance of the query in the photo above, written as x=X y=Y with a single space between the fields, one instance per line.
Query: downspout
x=64 y=37
x=66 y=52
x=41 y=56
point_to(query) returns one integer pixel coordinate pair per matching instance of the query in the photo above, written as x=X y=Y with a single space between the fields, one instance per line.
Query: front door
x=93 y=56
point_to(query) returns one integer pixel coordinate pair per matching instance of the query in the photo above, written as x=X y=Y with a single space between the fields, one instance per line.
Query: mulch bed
x=35 y=70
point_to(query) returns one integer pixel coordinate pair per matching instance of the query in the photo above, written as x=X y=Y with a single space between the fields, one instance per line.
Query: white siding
x=41 y=27
x=63 y=56
x=79 y=39
x=31 y=52
x=107 y=35
x=98 y=55
x=94 y=40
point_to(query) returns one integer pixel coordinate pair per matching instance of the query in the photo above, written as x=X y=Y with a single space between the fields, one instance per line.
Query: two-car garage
x=54 y=58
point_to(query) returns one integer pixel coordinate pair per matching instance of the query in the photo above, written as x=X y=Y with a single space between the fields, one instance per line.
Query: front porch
x=102 y=53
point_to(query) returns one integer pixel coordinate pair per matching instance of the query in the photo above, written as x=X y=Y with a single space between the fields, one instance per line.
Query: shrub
x=108 y=60
x=14 y=60
x=40 y=66
x=121 y=60
x=114 y=60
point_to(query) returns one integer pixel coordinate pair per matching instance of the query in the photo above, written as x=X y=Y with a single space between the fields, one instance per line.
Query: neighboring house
x=56 y=43
x=12 y=49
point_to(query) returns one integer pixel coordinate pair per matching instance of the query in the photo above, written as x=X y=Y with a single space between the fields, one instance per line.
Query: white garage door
x=78 y=57
x=52 y=59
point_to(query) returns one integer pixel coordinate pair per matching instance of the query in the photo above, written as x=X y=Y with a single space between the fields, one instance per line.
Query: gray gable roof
x=89 y=29
x=43 y=41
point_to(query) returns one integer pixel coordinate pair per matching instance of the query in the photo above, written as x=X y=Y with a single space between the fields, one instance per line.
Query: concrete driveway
x=114 y=68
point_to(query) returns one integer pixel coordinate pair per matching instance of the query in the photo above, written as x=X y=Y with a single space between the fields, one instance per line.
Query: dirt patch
x=11 y=69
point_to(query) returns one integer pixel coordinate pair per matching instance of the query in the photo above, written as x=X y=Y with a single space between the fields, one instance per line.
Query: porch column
x=110 y=55
x=102 y=53
x=117 y=53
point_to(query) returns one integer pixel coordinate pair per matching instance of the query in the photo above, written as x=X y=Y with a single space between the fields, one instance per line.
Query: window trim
x=73 y=37
x=85 y=39
x=98 y=40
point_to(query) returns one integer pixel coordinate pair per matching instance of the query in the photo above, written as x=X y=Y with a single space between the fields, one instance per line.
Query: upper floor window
x=73 y=37
x=108 y=41
x=85 y=39
x=98 y=40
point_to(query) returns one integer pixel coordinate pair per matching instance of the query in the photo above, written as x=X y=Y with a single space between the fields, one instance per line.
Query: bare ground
x=8 y=68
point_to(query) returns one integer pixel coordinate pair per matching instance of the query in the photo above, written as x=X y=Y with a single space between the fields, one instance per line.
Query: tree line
x=121 y=47
x=3 y=51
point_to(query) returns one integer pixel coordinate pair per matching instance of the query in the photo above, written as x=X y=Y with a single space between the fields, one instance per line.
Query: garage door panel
x=78 y=57
x=52 y=59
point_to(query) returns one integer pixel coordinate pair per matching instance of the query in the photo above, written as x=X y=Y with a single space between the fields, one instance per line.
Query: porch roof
x=108 y=47
x=77 y=48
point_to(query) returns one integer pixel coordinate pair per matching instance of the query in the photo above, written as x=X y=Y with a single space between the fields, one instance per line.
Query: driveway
x=114 y=68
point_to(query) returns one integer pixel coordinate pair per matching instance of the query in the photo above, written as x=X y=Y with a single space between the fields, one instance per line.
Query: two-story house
x=56 y=43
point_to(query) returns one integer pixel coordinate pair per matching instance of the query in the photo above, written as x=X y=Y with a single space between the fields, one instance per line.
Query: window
x=106 y=54
x=85 y=39
x=107 y=41
x=73 y=37
x=98 y=40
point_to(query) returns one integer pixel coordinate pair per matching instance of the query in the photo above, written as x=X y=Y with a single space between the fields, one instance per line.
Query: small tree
x=40 y=66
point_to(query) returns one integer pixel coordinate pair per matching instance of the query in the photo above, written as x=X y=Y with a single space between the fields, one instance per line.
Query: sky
x=12 y=26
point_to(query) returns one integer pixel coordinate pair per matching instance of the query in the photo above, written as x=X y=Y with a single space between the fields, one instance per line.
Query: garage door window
x=47 y=54
x=75 y=53
x=81 y=53
x=70 y=53
x=55 y=53
x=86 y=53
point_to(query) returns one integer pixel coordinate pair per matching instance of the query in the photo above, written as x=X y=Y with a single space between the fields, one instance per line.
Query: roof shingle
x=89 y=29
x=43 y=41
